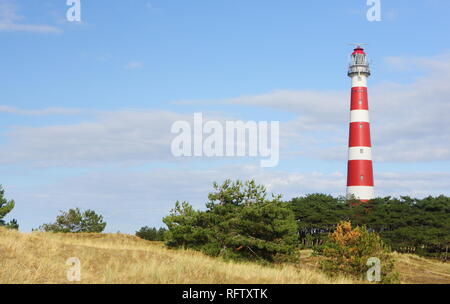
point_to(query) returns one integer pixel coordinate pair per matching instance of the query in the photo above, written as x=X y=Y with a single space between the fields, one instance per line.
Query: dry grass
x=415 y=269
x=118 y=258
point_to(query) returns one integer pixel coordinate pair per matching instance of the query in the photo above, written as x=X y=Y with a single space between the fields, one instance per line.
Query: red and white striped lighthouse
x=360 y=183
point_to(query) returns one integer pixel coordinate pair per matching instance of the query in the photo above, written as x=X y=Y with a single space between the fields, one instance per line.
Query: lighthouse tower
x=360 y=183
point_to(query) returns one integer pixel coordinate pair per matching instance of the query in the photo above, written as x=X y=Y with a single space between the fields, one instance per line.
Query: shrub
x=151 y=234
x=13 y=224
x=348 y=250
x=240 y=223
x=75 y=221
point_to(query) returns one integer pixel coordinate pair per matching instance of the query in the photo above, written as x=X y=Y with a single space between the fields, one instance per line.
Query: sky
x=86 y=108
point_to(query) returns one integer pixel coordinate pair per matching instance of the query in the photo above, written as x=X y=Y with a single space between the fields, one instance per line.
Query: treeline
x=151 y=234
x=406 y=224
x=240 y=221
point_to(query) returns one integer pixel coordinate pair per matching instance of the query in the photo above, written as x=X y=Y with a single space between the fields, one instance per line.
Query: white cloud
x=120 y=137
x=9 y=19
x=134 y=65
x=47 y=111
x=126 y=137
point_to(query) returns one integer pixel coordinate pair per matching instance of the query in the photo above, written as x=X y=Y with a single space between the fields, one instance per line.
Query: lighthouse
x=360 y=184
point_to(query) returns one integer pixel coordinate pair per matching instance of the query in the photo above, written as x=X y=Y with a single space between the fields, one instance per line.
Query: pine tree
x=6 y=206
x=240 y=223
x=75 y=221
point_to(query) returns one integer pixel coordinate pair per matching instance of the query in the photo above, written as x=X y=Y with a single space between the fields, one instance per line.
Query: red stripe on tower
x=359 y=99
x=359 y=134
x=360 y=183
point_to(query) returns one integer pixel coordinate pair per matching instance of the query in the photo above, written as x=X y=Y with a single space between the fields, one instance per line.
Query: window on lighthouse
x=362 y=177
x=359 y=59
x=361 y=151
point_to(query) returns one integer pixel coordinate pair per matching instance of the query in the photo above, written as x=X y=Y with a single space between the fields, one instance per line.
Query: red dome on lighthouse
x=358 y=50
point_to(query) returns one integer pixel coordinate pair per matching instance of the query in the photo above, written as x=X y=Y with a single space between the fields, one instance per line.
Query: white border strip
x=359 y=81
x=361 y=192
x=360 y=153
x=359 y=116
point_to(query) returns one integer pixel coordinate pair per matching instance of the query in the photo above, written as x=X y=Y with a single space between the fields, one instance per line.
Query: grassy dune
x=119 y=258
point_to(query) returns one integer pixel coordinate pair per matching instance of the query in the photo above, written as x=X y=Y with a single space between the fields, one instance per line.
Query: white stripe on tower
x=361 y=153
x=360 y=183
x=363 y=193
x=359 y=82
x=359 y=116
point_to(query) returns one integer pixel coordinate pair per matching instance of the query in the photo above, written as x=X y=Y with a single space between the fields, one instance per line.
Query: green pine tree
x=74 y=221
x=240 y=222
x=6 y=206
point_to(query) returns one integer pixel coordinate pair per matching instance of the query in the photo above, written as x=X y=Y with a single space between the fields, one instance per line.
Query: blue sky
x=86 y=108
